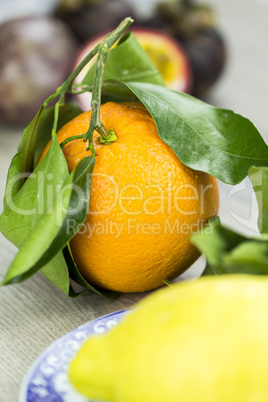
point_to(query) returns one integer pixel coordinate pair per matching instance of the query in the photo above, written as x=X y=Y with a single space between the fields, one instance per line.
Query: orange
x=144 y=203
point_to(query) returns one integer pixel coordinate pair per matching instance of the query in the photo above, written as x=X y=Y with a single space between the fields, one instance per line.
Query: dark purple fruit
x=36 y=56
x=207 y=54
x=87 y=18
x=193 y=25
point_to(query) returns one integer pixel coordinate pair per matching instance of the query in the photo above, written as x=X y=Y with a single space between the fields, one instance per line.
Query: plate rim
x=23 y=388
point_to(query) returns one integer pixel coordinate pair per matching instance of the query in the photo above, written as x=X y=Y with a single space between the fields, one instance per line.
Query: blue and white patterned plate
x=47 y=379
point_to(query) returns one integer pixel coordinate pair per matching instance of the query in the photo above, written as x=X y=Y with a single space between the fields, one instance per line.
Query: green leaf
x=66 y=113
x=128 y=61
x=215 y=240
x=216 y=141
x=30 y=203
x=56 y=271
x=22 y=163
x=229 y=252
x=34 y=138
x=259 y=180
x=59 y=270
x=250 y=257
x=35 y=197
x=78 y=278
x=54 y=230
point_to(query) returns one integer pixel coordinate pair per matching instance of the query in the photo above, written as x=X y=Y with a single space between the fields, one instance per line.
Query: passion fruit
x=166 y=53
x=36 y=57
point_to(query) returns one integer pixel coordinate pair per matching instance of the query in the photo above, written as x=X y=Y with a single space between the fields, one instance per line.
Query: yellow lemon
x=202 y=341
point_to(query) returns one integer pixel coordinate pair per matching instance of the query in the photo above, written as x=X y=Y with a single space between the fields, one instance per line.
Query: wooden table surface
x=35 y=313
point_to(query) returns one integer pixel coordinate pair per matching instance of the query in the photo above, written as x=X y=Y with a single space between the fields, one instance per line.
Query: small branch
x=103 y=49
x=56 y=118
x=95 y=121
x=51 y=97
x=106 y=136
x=80 y=89
x=110 y=39
x=74 y=137
x=113 y=36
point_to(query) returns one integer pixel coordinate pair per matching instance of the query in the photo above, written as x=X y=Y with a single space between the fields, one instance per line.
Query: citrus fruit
x=202 y=341
x=144 y=203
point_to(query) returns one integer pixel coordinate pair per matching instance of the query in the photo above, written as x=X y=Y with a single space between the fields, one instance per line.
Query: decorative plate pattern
x=47 y=379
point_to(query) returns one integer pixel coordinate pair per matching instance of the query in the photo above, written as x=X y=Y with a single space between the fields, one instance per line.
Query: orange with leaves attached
x=144 y=203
